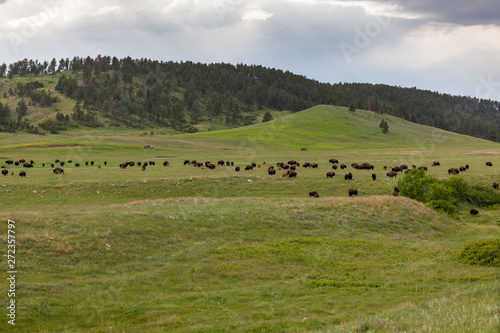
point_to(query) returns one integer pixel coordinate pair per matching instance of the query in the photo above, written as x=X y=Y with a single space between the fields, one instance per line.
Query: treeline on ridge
x=180 y=95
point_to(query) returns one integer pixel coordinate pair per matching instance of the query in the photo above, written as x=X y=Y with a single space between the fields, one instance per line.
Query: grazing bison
x=249 y=167
x=462 y=168
x=61 y=163
x=489 y=164
x=237 y=169
x=285 y=166
x=495 y=185
x=228 y=163
x=374 y=176
x=51 y=165
x=105 y=163
x=314 y=165
x=436 y=163
x=330 y=174
x=165 y=163
x=396 y=189
x=211 y=166
x=334 y=167
x=86 y=163
x=293 y=167
x=474 y=211
x=221 y=162
x=292 y=162
x=254 y=164
x=58 y=171
x=5 y=172
x=353 y=192
x=314 y=194
x=77 y=164
x=333 y=161
x=22 y=173
x=9 y=162
x=271 y=172
x=392 y=174
x=343 y=166
x=306 y=165
x=292 y=174
x=56 y=161
x=348 y=176
x=144 y=167
x=453 y=171
x=186 y=162
x=467 y=166
x=70 y=161
x=397 y=169
x=152 y=163
x=16 y=163
x=145 y=164
x=423 y=168
x=91 y=162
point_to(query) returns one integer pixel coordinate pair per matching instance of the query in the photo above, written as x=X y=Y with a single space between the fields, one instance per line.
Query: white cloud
x=256 y=14
x=104 y=11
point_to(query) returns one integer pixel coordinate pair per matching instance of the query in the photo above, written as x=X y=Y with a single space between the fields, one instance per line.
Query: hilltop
x=191 y=97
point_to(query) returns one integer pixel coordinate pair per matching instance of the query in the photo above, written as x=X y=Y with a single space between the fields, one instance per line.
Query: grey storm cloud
x=461 y=12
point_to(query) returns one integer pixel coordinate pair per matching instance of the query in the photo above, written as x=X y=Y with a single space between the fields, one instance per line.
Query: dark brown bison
x=237 y=169
x=436 y=163
x=86 y=163
x=211 y=166
x=314 y=194
x=292 y=174
x=228 y=163
x=292 y=162
x=32 y=162
x=77 y=164
x=348 y=176
x=293 y=167
x=249 y=167
x=58 y=171
x=22 y=173
x=91 y=162
x=392 y=174
x=314 y=165
x=165 y=163
x=334 y=167
x=353 y=192
x=145 y=164
x=56 y=161
x=374 y=176
x=330 y=174
x=453 y=171
x=144 y=167
x=271 y=172
x=474 y=211
x=105 y=163
x=489 y=164
x=186 y=162
x=343 y=166
x=152 y=163
x=5 y=172
x=61 y=163
x=70 y=161
x=467 y=166
x=9 y=162
x=285 y=166
x=254 y=164
x=221 y=162
x=397 y=169
x=495 y=185
x=462 y=168
x=16 y=163
x=396 y=189
x=306 y=165
x=423 y=168
x=51 y=165
x=333 y=161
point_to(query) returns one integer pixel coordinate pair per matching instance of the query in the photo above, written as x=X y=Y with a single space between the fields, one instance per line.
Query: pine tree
x=352 y=108
x=267 y=117
x=21 y=109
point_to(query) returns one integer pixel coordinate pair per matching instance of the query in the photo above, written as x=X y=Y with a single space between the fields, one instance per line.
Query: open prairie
x=183 y=248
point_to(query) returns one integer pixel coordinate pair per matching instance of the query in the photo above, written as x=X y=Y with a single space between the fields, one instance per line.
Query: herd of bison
x=288 y=169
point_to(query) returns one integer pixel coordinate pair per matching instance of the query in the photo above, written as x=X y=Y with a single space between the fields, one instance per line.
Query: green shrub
x=483 y=253
x=442 y=206
x=416 y=184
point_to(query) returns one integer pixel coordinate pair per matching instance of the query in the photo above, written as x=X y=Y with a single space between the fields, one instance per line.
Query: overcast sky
x=449 y=46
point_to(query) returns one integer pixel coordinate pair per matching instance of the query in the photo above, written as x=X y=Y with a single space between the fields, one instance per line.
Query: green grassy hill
x=179 y=248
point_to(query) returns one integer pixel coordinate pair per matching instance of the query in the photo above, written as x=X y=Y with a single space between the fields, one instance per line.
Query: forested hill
x=181 y=95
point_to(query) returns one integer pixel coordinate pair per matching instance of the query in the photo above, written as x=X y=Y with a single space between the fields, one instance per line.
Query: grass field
x=180 y=248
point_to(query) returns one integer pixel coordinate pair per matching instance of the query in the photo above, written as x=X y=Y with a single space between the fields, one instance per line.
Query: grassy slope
x=182 y=248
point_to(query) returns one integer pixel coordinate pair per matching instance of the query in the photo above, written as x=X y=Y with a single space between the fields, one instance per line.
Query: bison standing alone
x=353 y=192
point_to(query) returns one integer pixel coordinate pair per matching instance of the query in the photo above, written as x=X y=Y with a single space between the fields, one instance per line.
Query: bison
x=77 y=164
x=495 y=185
x=374 y=176
x=165 y=163
x=58 y=171
x=474 y=211
x=292 y=162
x=343 y=166
x=22 y=173
x=392 y=174
x=348 y=176
x=333 y=161
x=221 y=162
x=271 y=172
x=330 y=174
x=9 y=162
x=489 y=164
x=314 y=165
x=5 y=172
x=211 y=166
x=186 y=162
x=423 y=168
x=353 y=192
x=237 y=169
x=249 y=167
x=306 y=165
x=436 y=163
x=292 y=174
x=314 y=194
x=453 y=171
x=334 y=167
x=254 y=164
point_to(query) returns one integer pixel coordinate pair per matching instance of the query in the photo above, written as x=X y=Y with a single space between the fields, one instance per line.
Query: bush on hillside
x=483 y=253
